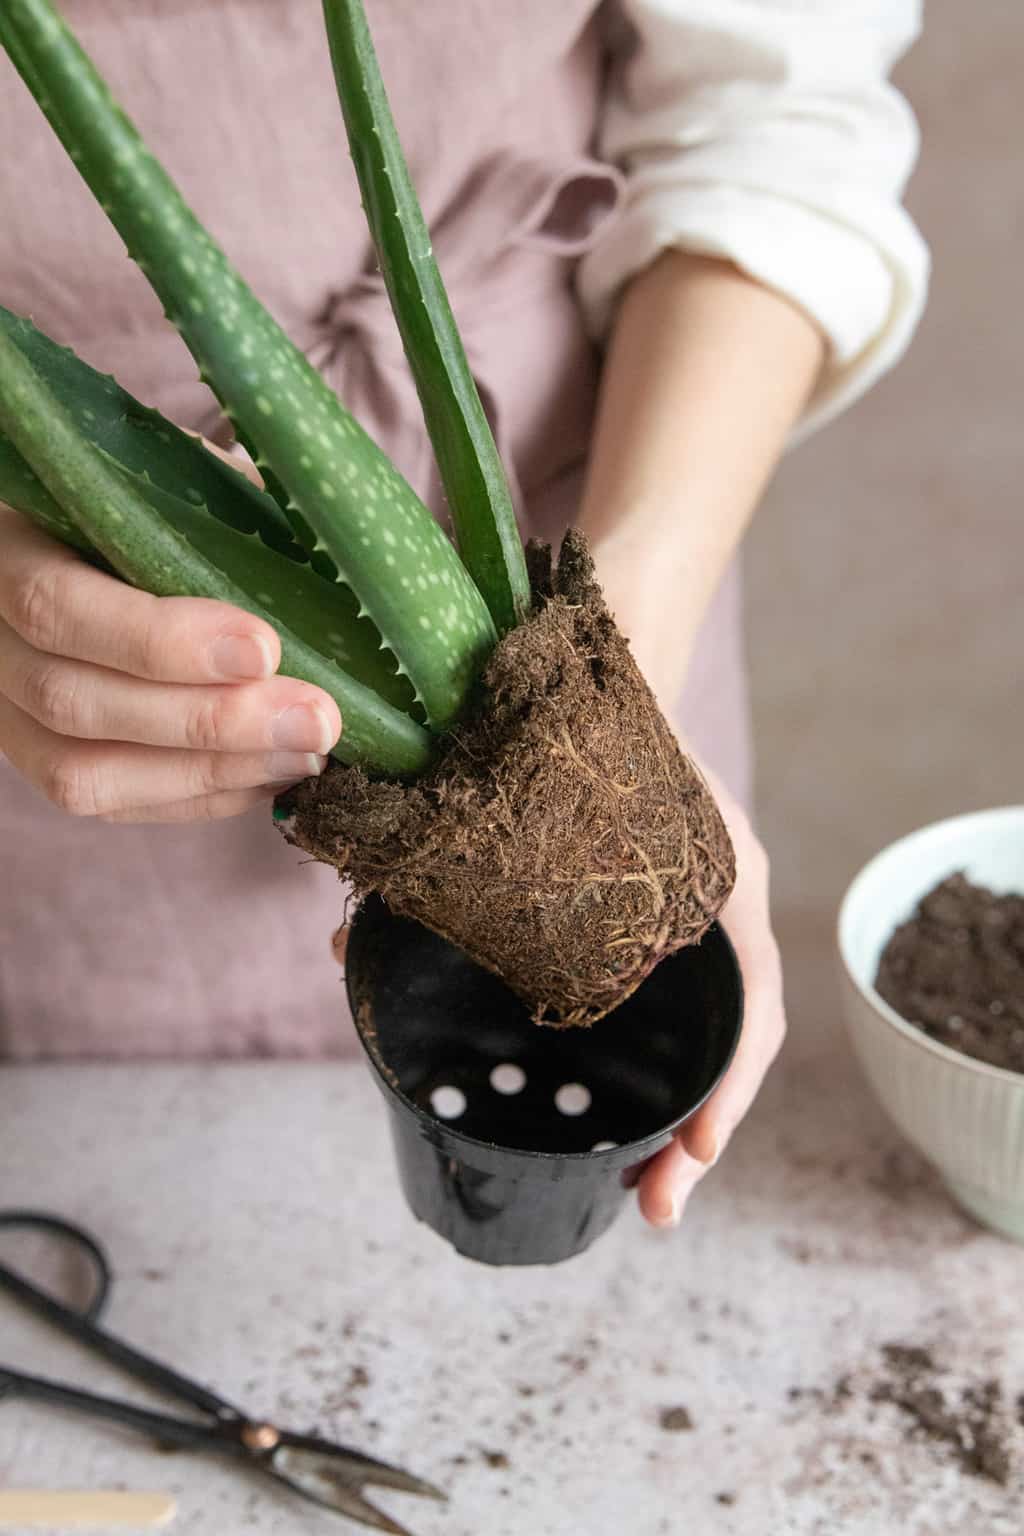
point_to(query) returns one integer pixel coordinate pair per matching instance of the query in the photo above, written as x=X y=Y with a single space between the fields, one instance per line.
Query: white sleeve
x=765 y=132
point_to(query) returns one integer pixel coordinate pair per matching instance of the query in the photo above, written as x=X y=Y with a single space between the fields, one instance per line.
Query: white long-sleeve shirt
x=765 y=132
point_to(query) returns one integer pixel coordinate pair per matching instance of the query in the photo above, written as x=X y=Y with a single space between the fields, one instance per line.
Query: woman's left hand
x=670 y=1178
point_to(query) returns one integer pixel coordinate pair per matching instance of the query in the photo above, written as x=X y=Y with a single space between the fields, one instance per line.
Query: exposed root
x=563 y=839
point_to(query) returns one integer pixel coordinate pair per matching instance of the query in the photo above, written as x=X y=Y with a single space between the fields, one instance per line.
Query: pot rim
x=624 y=1154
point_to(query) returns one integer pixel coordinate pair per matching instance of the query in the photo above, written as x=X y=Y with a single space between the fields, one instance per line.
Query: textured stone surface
x=260 y=1242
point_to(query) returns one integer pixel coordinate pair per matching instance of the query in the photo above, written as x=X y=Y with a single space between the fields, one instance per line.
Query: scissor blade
x=354 y=1468
x=333 y=1480
x=379 y=1474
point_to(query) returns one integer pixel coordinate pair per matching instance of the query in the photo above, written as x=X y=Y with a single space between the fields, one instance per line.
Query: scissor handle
x=80 y=1324
x=42 y=1221
x=166 y=1431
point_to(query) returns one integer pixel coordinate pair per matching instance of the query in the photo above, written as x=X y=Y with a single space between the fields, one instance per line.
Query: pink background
x=885 y=572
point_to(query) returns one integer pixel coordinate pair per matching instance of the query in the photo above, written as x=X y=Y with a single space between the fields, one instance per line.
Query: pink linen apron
x=213 y=940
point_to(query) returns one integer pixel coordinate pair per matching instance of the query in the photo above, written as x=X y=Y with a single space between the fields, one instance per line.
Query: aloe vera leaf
x=22 y=489
x=471 y=471
x=148 y=552
x=320 y=612
x=175 y=468
x=324 y=614
x=384 y=542
x=145 y=442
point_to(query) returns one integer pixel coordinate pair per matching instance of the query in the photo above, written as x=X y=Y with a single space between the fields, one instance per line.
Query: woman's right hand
x=128 y=707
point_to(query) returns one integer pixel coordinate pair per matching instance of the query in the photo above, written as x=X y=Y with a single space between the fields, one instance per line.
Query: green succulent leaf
x=322 y=613
x=204 y=493
x=143 y=547
x=22 y=489
x=473 y=477
x=143 y=441
x=383 y=541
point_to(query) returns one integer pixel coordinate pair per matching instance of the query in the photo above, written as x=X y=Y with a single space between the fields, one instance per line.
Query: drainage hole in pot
x=508 y=1078
x=603 y=1146
x=572 y=1099
x=448 y=1103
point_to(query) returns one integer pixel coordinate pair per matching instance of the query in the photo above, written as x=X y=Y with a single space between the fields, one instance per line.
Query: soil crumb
x=562 y=839
x=956 y=971
x=675 y=1419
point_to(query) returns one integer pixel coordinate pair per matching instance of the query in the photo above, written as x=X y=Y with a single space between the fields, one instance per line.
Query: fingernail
x=302 y=728
x=242 y=657
x=290 y=767
x=715 y=1151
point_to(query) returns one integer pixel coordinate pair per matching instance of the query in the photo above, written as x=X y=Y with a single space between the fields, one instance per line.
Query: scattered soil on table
x=976 y=1429
x=497 y=1459
x=956 y=970
x=967 y=1422
x=346 y=1398
x=562 y=839
x=675 y=1419
x=578 y=1363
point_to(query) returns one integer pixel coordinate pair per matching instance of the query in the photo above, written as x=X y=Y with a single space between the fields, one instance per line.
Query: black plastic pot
x=515 y=1142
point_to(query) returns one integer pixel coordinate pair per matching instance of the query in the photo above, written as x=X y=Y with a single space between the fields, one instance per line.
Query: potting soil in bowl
x=956 y=971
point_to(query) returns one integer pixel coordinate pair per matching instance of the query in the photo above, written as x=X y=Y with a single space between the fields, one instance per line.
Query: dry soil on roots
x=562 y=838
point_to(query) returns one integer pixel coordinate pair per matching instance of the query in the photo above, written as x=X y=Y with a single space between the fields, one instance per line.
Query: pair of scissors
x=318 y=1470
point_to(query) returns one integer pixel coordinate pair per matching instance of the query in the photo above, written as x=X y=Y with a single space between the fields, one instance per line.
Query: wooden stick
x=75 y=1509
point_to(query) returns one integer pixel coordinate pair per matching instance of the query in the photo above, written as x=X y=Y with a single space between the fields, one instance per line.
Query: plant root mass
x=562 y=839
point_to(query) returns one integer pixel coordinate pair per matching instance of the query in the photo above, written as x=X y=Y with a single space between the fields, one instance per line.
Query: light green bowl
x=966 y=1117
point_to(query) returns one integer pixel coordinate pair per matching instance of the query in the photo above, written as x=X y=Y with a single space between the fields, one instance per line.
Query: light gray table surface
x=261 y=1243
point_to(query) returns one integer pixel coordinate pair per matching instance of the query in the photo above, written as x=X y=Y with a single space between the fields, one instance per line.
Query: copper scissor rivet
x=260 y=1437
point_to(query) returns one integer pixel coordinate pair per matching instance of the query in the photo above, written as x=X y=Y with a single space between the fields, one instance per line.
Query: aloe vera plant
x=370 y=598
x=558 y=836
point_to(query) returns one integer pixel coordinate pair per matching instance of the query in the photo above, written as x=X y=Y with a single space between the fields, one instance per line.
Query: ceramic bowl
x=965 y=1116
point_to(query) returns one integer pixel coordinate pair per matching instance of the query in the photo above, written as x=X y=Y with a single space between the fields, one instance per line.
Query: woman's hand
x=129 y=707
x=661 y=634
x=670 y=1178
x=706 y=373
x=660 y=638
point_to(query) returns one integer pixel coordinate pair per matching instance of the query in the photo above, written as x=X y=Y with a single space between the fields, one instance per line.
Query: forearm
x=706 y=373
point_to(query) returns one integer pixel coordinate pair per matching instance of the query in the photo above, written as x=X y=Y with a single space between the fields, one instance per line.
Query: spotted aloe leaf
x=323 y=614
x=22 y=489
x=121 y=521
x=473 y=477
x=384 y=542
x=197 y=492
x=145 y=442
